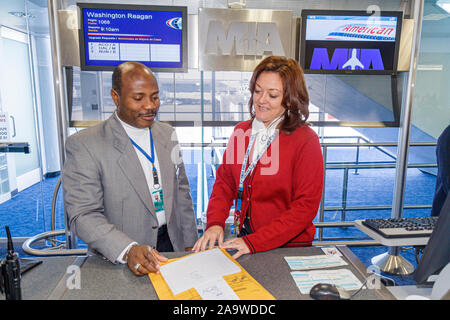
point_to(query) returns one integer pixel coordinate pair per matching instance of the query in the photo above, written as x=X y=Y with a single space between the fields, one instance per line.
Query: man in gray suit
x=125 y=188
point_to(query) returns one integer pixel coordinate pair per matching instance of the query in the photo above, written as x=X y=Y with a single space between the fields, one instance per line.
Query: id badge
x=158 y=201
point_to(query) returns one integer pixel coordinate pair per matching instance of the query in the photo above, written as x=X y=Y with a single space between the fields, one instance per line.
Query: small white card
x=343 y=278
x=217 y=289
x=331 y=251
x=314 y=262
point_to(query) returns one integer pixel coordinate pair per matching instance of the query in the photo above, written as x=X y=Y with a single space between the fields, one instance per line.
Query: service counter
x=92 y=277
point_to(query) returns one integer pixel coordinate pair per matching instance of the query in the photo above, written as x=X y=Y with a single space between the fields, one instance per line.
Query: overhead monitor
x=113 y=33
x=350 y=42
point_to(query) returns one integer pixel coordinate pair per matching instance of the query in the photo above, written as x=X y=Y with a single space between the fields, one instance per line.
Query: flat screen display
x=350 y=41
x=153 y=35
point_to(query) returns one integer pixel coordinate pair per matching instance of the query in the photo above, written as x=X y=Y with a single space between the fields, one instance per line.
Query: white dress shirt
x=141 y=136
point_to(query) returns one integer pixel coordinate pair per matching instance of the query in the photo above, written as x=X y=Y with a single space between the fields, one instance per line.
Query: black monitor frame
x=183 y=10
x=301 y=54
x=436 y=254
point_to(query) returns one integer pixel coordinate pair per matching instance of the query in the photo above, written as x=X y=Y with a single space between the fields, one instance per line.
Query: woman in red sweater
x=272 y=168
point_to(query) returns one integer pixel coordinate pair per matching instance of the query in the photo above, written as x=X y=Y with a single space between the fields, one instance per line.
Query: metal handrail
x=54 y=198
x=56 y=251
x=346 y=166
x=373 y=165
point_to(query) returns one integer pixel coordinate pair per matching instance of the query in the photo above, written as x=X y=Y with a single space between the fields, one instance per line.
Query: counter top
x=99 y=279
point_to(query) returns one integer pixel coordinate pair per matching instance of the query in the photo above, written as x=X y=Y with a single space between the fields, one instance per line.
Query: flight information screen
x=339 y=43
x=153 y=36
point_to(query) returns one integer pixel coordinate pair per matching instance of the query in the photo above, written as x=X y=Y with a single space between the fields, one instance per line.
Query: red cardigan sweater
x=281 y=195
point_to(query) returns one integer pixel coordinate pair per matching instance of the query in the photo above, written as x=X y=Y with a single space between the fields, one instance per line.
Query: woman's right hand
x=209 y=238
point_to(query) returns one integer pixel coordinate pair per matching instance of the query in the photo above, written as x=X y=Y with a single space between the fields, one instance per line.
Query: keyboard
x=403 y=227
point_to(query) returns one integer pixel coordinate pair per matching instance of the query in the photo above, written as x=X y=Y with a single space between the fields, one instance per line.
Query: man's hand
x=209 y=238
x=142 y=259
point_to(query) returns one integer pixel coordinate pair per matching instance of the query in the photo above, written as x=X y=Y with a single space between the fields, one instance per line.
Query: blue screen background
x=157 y=27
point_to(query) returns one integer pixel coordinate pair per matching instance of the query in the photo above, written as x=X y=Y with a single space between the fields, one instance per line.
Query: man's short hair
x=117 y=73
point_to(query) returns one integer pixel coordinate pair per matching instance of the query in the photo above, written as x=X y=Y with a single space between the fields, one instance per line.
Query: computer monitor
x=436 y=254
x=350 y=41
x=114 y=33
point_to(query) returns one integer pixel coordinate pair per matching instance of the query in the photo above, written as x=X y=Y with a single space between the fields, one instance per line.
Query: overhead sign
x=349 y=41
x=234 y=39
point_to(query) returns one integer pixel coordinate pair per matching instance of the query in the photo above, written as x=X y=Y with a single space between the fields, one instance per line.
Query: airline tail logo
x=175 y=23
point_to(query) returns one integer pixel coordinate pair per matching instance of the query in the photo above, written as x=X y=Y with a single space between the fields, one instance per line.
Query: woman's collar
x=258 y=126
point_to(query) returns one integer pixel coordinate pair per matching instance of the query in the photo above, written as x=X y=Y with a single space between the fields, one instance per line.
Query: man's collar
x=129 y=127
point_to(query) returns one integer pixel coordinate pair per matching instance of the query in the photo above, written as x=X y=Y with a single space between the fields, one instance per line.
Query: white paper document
x=197 y=269
x=314 y=262
x=217 y=289
x=343 y=278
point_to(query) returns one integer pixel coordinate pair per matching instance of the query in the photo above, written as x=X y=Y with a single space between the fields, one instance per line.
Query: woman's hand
x=209 y=238
x=237 y=244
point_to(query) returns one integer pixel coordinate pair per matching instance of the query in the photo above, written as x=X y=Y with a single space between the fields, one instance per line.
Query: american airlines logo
x=247 y=38
x=351 y=59
x=363 y=32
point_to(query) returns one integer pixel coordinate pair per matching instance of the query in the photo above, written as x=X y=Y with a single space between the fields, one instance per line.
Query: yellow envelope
x=242 y=283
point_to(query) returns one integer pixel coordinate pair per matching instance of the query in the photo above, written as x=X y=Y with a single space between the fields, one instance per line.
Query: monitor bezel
x=433 y=258
x=83 y=5
x=301 y=54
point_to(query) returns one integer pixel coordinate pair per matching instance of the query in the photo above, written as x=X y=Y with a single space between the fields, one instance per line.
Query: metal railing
x=321 y=224
x=346 y=167
x=58 y=247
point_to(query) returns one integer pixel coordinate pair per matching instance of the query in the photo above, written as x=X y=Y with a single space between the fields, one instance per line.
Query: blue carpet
x=28 y=213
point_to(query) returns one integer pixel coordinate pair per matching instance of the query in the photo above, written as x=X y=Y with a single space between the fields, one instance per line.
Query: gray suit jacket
x=106 y=196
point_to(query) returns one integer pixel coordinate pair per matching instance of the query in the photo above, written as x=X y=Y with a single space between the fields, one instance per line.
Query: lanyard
x=150 y=158
x=245 y=173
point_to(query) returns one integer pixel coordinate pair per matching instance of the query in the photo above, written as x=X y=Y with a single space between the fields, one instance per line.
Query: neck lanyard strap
x=150 y=158
x=245 y=173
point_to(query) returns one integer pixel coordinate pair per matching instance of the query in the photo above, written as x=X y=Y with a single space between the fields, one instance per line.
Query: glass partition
x=27 y=180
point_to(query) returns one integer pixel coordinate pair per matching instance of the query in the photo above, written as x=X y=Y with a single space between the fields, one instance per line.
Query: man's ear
x=115 y=96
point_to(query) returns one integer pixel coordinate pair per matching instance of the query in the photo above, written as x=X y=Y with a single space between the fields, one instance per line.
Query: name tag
x=158 y=201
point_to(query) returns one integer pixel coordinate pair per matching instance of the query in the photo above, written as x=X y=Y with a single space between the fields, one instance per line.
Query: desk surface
x=103 y=280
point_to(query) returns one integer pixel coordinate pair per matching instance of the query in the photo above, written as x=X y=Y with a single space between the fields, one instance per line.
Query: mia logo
x=351 y=59
x=248 y=38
